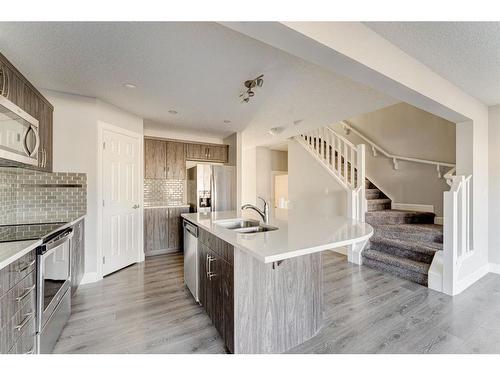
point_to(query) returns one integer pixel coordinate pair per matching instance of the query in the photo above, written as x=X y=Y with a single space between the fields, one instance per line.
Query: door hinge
x=103 y=202
x=103 y=260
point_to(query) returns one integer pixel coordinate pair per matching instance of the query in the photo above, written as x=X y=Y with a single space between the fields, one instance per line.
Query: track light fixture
x=250 y=85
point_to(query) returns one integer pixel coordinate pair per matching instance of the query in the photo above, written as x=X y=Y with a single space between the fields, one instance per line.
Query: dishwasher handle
x=192 y=229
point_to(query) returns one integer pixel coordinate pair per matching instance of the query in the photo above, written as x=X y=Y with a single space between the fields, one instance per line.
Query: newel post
x=360 y=167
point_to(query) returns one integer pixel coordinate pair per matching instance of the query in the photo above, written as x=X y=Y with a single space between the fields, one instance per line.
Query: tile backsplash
x=38 y=197
x=168 y=192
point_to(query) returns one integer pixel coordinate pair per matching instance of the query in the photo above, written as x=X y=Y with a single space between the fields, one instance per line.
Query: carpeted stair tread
x=417 y=277
x=395 y=261
x=417 y=251
x=399 y=217
x=373 y=194
x=428 y=233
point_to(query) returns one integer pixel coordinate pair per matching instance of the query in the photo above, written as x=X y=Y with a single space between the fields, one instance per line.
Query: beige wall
x=494 y=165
x=311 y=188
x=279 y=160
x=404 y=130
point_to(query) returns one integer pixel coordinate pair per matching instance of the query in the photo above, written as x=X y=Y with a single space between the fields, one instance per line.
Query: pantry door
x=121 y=200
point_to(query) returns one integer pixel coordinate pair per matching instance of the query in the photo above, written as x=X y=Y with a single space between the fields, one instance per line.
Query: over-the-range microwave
x=19 y=136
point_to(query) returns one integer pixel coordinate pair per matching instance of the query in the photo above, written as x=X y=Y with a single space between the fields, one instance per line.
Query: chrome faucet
x=263 y=213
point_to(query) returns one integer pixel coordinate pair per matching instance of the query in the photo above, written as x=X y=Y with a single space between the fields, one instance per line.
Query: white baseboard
x=152 y=253
x=439 y=220
x=413 y=207
x=472 y=278
x=494 y=268
x=89 y=277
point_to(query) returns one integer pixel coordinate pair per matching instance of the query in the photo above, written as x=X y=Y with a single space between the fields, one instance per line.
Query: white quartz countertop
x=298 y=233
x=12 y=251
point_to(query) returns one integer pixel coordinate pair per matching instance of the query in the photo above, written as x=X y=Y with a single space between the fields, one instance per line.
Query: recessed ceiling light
x=173 y=112
x=227 y=121
x=129 y=85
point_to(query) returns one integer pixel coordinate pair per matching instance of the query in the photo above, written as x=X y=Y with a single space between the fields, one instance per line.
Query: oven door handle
x=59 y=240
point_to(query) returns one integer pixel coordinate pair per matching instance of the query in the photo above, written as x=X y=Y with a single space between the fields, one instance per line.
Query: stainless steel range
x=53 y=306
x=53 y=288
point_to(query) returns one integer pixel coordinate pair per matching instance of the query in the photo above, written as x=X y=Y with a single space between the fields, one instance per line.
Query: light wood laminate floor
x=146 y=309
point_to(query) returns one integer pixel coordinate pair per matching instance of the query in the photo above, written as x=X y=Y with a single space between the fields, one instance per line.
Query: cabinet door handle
x=31 y=351
x=25 y=321
x=21 y=270
x=25 y=294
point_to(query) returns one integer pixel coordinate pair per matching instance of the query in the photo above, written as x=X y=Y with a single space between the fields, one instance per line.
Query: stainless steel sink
x=237 y=224
x=245 y=226
x=257 y=229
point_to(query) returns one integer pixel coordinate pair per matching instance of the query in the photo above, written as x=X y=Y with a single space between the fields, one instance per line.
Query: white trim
x=101 y=126
x=439 y=220
x=494 y=268
x=89 y=277
x=413 y=207
x=470 y=279
x=152 y=253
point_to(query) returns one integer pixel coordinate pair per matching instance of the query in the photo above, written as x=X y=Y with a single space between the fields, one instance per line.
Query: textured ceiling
x=195 y=68
x=465 y=53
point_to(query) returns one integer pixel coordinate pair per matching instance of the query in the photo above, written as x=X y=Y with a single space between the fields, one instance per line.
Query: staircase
x=404 y=242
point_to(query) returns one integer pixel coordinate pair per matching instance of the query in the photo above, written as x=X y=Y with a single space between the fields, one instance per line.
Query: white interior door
x=121 y=209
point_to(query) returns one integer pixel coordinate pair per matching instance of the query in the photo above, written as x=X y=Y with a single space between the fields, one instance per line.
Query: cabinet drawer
x=218 y=246
x=17 y=308
x=16 y=271
x=26 y=342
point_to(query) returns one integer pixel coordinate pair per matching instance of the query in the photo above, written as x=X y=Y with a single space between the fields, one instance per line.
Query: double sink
x=245 y=226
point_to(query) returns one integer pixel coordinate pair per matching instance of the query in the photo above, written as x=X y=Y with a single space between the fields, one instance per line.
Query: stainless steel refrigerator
x=211 y=187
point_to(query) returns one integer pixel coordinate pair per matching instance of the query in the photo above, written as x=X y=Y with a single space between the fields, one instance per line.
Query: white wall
x=75 y=149
x=155 y=129
x=404 y=130
x=311 y=188
x=494 y=191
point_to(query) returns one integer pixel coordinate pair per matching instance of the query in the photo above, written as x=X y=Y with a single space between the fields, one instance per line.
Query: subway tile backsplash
x=38 y=197
x=164 y=192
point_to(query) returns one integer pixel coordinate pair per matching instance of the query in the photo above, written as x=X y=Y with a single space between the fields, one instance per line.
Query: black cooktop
x=23 y=232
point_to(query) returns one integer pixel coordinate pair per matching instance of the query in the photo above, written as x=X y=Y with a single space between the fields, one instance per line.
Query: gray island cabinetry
x=261 y=284
x=258 y=307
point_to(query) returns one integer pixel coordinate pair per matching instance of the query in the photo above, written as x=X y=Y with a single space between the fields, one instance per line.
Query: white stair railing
x=376 y=149
x=457 y=244
x=344 y=161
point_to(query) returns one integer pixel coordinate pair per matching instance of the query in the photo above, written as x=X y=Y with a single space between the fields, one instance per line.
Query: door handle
x=135 y=206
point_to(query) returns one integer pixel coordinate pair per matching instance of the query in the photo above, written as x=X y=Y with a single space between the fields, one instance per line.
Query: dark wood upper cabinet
x=155 y=159
x=207 y=152
x=21 y=92
x=176 y=161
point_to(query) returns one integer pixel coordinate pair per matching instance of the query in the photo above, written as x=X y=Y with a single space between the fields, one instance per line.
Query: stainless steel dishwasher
x=191 y=258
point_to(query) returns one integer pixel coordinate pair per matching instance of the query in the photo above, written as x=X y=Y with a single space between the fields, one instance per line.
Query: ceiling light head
x=172 y=111
x=251 y=84
x=277 y=130
x=129 y=85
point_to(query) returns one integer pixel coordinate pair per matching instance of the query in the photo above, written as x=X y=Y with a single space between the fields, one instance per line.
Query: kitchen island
x=263 y=290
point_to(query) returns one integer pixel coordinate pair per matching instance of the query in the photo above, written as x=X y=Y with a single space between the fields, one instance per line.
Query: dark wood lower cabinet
x=77 y=255
x=216 y=287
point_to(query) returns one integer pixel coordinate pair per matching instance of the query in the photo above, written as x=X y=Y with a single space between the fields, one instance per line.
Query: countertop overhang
x=298 y=234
